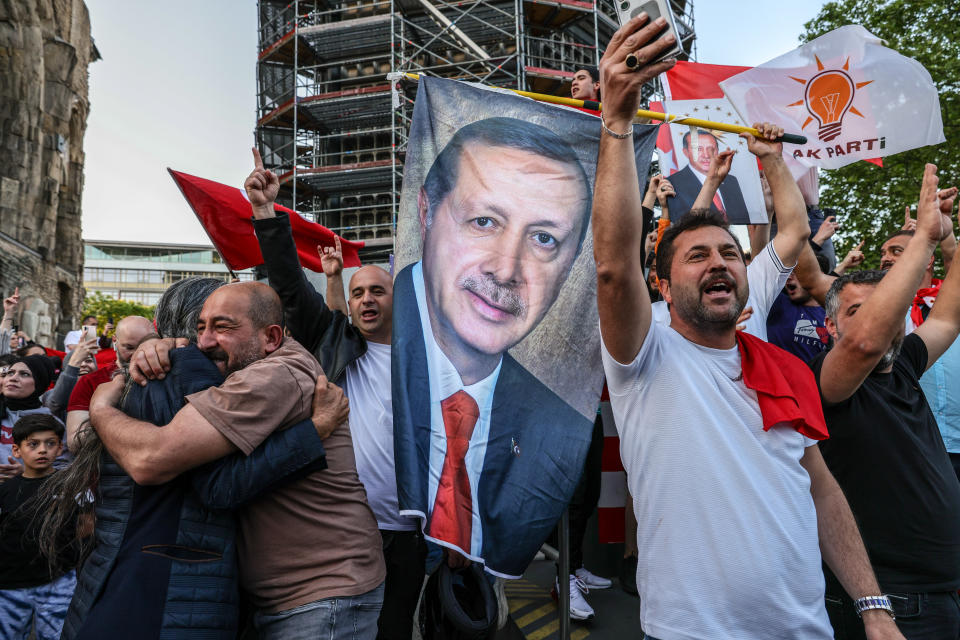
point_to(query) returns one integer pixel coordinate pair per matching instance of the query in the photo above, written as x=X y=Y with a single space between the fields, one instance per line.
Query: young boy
x=29 y=589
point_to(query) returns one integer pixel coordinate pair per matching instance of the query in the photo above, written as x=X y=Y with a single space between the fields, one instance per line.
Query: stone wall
x=45 y=49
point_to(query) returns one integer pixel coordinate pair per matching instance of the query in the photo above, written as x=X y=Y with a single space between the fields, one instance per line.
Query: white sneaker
x=592 y=581
x=580 y=609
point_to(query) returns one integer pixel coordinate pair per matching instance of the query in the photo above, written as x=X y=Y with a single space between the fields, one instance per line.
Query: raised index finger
x=336 y=242
x=257 y=160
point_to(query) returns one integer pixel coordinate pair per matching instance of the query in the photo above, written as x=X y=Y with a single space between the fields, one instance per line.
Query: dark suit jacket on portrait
x=687 y=186
x=521 y=496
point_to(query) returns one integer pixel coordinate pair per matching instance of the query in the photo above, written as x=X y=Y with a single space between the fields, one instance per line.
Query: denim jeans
x=346 y=618
x=47 y=604
x=920 y=616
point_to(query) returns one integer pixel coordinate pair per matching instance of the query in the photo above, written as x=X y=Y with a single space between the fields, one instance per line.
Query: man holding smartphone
x=73 y=338
x=732 y=513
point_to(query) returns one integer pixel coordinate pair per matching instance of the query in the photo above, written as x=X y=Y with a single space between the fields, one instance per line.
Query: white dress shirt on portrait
x=444 y=382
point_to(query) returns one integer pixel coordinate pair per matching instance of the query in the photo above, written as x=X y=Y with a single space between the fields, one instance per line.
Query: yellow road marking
x=536 y=614
x=545 y=630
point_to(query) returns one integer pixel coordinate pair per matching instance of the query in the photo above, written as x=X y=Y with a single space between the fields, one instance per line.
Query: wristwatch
x=873 y=602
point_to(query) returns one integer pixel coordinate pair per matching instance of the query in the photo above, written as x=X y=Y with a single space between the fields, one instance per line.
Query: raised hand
x=262 y=187
x=854 y=258
x=83 y=349
x=764 y=146
x=909 y=224
x=10 y=304
x=947 y=197
x=653 y=185
x=621 y=86
x=929 y=219
x=664 y=191
x=720 y=166
x=331 y=258
x=826 y=230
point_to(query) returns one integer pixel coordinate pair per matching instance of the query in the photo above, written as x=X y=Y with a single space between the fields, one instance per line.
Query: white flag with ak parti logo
x=851 y=96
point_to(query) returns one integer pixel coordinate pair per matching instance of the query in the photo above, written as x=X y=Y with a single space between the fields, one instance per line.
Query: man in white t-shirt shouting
x=717 y=427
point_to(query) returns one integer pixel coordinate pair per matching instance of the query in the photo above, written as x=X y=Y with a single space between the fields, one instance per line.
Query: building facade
x=45 y=49
x=142 y=271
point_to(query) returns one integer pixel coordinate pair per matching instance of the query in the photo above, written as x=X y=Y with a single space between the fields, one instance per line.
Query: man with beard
x=309 y=551
x=717 y=428
x=131 y=331
x=885 y=448
x=942 y=396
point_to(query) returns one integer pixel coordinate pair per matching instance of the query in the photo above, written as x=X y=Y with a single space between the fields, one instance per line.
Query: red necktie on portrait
x=452 y=516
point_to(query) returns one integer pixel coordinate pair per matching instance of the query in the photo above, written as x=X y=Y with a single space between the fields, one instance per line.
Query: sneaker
x=592 y=581
x=580 y=609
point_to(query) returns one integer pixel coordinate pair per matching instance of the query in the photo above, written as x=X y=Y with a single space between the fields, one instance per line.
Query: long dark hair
x=176 y=316
x=74 y=486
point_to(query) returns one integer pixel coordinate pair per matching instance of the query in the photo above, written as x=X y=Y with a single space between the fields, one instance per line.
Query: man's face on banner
x=498 y=247
x=707 y=148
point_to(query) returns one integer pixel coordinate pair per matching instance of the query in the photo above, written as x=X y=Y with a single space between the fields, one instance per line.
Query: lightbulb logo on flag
x=828 y=97
x=898 y=111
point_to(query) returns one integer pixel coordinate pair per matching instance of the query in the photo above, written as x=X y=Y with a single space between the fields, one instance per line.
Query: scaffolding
x=325 y=120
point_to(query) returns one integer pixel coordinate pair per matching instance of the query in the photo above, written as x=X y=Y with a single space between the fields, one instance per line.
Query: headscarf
x=42 y=369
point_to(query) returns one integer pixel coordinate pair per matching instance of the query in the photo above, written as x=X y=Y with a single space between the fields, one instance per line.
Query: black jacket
x=326 y=333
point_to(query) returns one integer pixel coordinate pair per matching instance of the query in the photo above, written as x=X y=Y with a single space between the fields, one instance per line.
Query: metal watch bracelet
x=869 y=603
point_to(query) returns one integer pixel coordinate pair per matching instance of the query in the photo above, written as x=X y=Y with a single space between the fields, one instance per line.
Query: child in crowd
x=30 y=588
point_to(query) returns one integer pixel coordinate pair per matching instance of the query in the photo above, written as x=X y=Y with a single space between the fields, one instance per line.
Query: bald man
x=356 y=356
x=131 y=331
x=308 y=550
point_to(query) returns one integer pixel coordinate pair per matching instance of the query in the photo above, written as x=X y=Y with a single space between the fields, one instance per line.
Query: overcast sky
x=175 y=88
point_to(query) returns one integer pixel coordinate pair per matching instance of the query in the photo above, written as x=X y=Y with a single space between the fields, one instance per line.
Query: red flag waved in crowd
x=224 y=213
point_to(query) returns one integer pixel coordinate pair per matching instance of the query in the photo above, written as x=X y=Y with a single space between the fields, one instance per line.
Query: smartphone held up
x=629 y=9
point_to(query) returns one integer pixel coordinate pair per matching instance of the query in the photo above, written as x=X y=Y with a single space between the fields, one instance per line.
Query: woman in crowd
x=21 y=385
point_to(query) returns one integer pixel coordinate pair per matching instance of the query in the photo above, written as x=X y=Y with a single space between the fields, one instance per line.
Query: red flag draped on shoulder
x=225 y=215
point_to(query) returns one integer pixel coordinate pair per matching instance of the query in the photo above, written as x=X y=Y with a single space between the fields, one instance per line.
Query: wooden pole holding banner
x=791 y=138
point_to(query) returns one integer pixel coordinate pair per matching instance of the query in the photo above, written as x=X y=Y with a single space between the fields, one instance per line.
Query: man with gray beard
x=885 y=448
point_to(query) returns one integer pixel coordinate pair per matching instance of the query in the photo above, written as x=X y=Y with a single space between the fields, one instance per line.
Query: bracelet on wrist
x=614 y=134
x=870 y=603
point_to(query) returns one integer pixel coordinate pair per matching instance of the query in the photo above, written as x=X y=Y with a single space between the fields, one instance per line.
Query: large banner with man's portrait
x=496 y=360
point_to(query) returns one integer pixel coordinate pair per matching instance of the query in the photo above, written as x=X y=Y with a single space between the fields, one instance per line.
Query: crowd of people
x=789 y=426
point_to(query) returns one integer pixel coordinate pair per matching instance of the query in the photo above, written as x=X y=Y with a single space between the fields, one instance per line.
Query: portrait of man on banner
x=487 y=450
x=740 y=197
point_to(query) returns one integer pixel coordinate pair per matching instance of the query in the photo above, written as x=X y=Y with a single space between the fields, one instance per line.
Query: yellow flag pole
x=791 y=138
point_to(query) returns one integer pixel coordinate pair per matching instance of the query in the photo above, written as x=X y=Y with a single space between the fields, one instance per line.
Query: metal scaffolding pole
x=296 y=76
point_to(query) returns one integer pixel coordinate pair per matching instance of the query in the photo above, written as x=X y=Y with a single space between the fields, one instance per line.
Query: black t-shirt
x=21 y=562
x=886 y=452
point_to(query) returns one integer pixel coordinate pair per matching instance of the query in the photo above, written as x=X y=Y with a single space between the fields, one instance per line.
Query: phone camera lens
x=625 y=5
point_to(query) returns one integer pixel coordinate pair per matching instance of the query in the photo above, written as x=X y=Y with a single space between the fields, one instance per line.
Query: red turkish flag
x=225 y=215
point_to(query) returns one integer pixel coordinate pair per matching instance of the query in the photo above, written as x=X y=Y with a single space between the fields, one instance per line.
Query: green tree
x=871 y=199
x=103 y=307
